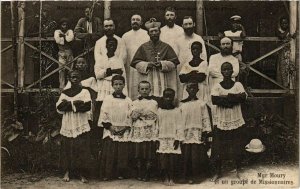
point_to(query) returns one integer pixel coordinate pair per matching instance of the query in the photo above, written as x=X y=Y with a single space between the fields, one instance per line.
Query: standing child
x=144 y=116
x=63 y=37
x=115 y=117
x=110 y=66
x=227 y=137
x=196 y=123
x=75 y=103
x=89 y=82
x=197 y=70
x=170 y=134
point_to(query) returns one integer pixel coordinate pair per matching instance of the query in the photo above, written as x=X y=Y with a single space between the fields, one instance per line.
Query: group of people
x=153 y=99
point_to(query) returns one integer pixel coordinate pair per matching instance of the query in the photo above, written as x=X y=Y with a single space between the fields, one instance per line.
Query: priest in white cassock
x=216 y=61
x=183 y=46
x=171 y=31
x=100 y=50
x=133 y=40
x=156 y=61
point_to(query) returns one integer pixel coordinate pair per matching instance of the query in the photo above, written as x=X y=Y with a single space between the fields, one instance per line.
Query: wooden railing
x=206 y=38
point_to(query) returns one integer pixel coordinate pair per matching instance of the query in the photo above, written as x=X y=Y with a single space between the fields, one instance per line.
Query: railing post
x=21 y=48
x=14 y=57
x=199 y=17
x=293 y=27
x=107 y=7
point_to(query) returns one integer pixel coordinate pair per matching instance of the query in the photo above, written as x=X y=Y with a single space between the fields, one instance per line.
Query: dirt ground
x=289 y=174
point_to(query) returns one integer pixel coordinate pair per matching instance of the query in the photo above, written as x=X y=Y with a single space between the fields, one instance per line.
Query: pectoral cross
x=157 y=58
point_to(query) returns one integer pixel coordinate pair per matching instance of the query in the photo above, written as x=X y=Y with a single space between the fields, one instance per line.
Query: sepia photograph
x=149 y=94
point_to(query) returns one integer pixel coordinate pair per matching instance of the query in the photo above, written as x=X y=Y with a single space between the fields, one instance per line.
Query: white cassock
x=133 y=40
x=100 y=49
x=171 y=35
x=215 y=76
x=183 y=46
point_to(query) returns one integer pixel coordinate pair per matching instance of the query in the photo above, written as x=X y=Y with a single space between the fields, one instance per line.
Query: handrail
x=213 y=38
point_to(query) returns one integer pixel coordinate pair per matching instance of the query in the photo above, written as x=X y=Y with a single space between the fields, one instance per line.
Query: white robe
x=183 y=45
x=100 y=49
x=170 y=35
x=133 y=40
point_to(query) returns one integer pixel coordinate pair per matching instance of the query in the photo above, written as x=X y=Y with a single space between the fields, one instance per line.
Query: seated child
x=75 y=103
x=227 y=136
x=169 y=135
x=115 y=117
x=197 y=70
x=196 y=124
x=144 y=116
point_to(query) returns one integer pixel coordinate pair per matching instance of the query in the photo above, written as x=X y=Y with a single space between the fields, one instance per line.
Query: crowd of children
x=154 y=133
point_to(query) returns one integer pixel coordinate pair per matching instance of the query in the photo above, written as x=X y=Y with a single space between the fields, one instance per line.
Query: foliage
x=280 y=138
x=35 y=147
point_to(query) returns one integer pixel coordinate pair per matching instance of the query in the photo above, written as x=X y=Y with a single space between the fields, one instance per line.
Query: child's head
x=74 y=77
x=118 y=83
x=144 y=88
x=64 y=24
x=235 y=22
x=284 y=23
x=226 y=70
x=196 y=49
x=111 y=44
x=81 y=64
x=169 y=95
x=192 y=88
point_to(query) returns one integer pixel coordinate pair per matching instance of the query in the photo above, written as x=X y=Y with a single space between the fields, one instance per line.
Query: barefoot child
x=75 y=103
x=197 y=70
x=169 y=135
x=196 y=124
x=115 y=117
x=227 y=137
x=144 y=116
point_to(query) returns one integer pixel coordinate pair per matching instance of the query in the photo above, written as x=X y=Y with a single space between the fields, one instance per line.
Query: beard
x=226 y=51
x=154 y=38
x=170 y=23
x=188 y=31
x=109 y=32
x=135 y=26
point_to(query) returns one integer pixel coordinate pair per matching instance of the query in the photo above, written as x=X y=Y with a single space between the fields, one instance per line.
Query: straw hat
x=255 y=146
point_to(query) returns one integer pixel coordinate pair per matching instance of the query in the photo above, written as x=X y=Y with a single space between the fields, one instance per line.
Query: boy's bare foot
x=215 y=178
x=238 y=176
x=120 y=177
x=191 y=182
x=171 y=182
x=105 y=179
x=83 y=179
x=66 y=177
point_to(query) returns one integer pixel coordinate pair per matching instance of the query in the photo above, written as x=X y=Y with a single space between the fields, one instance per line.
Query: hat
x=255 y=146
x=235 y=18
x=152 y=23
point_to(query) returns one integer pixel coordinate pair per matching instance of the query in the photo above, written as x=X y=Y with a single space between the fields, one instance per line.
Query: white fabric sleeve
x=167 y=66
x=123 y=52
x=100 y=70
x=205 y=119
x=104 y=113
x=213 y=71
x=61 y=98
x=180 y=126
x=236 y=68
x=97 y=51
x=215 y=90
x=86 y=96
x=58 y=40
x=70 y=36
x=142 y=67
x=204 y=53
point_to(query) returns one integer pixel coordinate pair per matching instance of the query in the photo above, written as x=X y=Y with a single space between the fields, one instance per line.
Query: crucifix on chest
x=157 y=57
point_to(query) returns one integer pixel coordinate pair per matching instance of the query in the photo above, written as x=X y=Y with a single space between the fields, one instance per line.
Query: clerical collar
x=146 y=97
x=188 y=99
x=122 y=96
